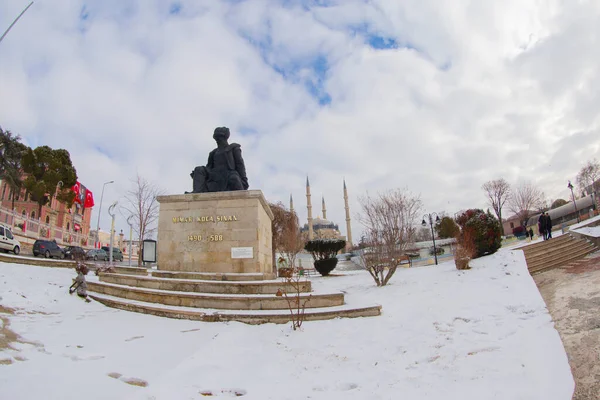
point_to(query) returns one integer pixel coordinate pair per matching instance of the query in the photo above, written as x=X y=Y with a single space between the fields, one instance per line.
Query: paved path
x=572 y=295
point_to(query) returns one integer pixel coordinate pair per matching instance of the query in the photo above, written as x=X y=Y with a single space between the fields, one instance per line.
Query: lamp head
x=423 y=223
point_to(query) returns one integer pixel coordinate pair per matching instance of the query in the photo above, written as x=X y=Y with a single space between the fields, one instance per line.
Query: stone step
x=130 y=270
x=249 y=317
x=211 y=300
x=204 y=286
x=551 y=246
x=574 y=247
x=560 y=261
x=213 y=276
x=546 y=243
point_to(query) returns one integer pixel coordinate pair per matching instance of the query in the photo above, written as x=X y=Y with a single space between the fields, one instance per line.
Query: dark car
x=48 y=248
x=74 y=252
x=117 y=253
x=96 y=254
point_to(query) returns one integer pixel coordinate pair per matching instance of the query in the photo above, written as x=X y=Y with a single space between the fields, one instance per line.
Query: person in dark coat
x=548 y=226
x=531 y=233
x=542 y=225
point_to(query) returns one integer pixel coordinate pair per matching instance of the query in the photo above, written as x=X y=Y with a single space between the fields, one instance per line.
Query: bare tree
x=525 y=200
x=588 y=178
x=497 y=192
x=287 y=238
x=142 y=205
x=389 y=220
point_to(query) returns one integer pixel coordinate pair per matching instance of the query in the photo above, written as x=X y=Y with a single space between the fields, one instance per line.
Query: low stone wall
x=592 y=239
x=40 y=262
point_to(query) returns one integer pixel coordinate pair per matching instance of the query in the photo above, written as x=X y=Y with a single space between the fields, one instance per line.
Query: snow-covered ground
x=444 y=334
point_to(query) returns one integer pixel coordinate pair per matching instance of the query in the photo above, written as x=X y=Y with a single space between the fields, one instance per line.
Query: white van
x=8 y=241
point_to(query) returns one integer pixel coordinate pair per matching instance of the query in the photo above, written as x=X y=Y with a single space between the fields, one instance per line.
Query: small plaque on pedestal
x=242 y=252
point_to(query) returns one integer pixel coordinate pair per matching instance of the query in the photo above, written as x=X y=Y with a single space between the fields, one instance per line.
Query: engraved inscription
x=205 y=218
x=201 y=238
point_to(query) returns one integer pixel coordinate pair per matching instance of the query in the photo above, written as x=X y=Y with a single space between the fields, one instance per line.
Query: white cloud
x=474 y=91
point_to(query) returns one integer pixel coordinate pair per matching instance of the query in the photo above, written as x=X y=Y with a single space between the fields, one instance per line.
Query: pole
x=424 y=224
x=15 y=21
x=112 y=231
x=570 y=186
x=130 y=236
x=99 y=211
x=433 y=237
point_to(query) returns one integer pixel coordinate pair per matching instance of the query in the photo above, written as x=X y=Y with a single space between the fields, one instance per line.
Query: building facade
x=67 y=225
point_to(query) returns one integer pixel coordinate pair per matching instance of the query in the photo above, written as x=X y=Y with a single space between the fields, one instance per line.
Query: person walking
x=542 y=225
x=548 y=226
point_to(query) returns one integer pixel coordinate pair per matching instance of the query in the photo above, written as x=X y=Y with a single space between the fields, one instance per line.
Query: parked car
x=48 y=248
x=74 y=252
x=117 y=253
x=96 y=254
x=8 y=241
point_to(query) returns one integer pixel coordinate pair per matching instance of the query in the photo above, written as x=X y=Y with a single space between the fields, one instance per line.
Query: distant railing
x=36 y=229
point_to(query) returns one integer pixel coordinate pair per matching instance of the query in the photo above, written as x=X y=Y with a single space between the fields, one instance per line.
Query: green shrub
x=484 y=228
x=324 y=253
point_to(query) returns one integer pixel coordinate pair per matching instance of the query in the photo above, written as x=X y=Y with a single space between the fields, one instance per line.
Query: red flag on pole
x=77 y=188
x=89 y=199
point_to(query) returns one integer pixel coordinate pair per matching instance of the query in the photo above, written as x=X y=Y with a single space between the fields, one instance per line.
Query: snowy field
x=444 y=334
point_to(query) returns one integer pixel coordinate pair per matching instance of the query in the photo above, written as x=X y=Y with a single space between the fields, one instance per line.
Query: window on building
x=24 y=213
x=3 y=191
x=33 y=214
x=47 y=219
x=68 y=225
x=512 y=225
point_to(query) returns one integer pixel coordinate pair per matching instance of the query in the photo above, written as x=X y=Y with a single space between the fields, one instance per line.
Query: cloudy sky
x=434 y=96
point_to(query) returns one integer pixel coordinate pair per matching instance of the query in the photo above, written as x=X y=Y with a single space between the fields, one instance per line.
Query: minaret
x=348 y=225
x=324 y=210
x=309 y=207
x=291 y=204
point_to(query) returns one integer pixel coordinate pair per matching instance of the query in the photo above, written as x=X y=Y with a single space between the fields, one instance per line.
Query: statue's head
x=221 y=133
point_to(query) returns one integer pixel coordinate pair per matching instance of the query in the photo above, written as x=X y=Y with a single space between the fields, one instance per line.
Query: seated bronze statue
x=224 y=171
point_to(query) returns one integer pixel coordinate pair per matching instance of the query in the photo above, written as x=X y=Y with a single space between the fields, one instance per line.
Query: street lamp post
x=111 y=212
x=15 y=21
x=570 y=186
x=130 y=236
x=423 y=223
x=99 y=210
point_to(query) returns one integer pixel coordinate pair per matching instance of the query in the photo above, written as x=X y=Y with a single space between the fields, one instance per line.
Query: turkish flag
x=89 y=199
x=76 y=188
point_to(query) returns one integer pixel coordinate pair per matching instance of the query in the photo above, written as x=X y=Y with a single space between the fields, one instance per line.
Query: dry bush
x=465 y=249
x=296 y=305
x=286 y=238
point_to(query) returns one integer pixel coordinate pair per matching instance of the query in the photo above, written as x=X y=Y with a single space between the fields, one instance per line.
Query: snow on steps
x=555 y=252
x=214 y=300
x=202 y=286
x=252 y=317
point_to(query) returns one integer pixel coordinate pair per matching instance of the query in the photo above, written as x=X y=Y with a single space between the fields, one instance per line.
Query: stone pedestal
x=223 y=232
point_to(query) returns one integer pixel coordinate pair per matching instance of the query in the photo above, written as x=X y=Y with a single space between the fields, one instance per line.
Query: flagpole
x=15 y=21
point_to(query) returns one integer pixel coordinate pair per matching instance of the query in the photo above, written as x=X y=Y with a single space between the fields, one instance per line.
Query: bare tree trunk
x=142 y=205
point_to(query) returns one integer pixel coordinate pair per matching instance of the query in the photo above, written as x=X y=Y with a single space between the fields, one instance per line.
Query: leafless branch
x=497 y=192
x=525 y=200
x=389 y=220
x=142 y=205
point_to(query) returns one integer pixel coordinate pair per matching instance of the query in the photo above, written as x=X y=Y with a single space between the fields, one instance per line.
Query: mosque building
x=321 y=227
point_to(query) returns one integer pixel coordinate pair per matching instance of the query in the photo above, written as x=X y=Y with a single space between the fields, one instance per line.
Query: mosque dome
x=321 y=223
